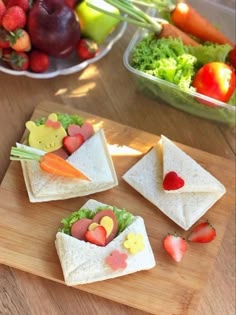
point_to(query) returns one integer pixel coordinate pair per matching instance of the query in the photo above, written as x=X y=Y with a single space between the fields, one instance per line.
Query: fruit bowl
x=190 y=102
x=71 y=64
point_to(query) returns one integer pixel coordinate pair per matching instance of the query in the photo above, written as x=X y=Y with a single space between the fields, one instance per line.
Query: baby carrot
x=185 y=17
x=48 y=162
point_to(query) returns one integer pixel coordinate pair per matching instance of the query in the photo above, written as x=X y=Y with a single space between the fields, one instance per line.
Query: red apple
x=53 y=27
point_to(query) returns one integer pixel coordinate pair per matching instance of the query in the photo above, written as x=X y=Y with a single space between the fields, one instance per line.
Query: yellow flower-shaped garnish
x=134 y=243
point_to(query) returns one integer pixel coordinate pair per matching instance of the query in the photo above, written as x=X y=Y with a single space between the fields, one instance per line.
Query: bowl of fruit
x=46 y=38
x=183 y=53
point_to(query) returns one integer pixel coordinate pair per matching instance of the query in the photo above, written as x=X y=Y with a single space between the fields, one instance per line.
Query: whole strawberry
x=24 y=4
x=14 y=17
x=4 y=39
x=38 y=61
x=2 y=10
x=86 y=48
x=175 y=246
x=202 y=233
x=20 y=40
x=17 y=60
x=70 y=3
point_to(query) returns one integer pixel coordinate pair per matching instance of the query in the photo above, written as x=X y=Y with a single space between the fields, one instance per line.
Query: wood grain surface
x=107 y=89
x=28 y=235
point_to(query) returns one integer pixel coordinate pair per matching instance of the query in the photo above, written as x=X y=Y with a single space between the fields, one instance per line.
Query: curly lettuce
x=124 y=218
x=170 y=60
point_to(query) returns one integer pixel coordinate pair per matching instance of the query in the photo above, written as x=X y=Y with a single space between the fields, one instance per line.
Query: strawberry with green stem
x=202 y=233
x=86 y=48
x=17 y=60
x=20 y=40
x=175 y=246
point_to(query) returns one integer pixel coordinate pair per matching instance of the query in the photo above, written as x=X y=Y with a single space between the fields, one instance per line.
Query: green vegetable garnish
x=65 y=120
x=124 y=218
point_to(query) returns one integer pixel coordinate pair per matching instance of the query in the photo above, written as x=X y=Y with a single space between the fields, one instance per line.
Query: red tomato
x=216 y=80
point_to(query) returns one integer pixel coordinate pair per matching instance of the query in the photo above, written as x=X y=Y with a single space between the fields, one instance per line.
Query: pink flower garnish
x=117 y=260
x=53 y=124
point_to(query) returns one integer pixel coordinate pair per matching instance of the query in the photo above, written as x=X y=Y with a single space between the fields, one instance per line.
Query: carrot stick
x=185 y=17
x=49 y=162
x=169 y=30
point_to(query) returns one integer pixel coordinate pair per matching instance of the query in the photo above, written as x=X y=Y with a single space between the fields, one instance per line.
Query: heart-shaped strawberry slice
x=96 y=236
x=72 y=143
x=172 y=181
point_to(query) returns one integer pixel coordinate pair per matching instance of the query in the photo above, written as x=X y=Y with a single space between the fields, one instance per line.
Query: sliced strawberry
x=202 y=233
x=72 y=143
x=96 y=236
x=175 y=246
x=172 y=181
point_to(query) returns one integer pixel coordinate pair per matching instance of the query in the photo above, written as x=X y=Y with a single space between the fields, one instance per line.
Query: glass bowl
x=187 y=101
x=72 y=64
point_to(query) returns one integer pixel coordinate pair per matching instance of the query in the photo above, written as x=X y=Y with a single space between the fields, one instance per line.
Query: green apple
x=94 y=24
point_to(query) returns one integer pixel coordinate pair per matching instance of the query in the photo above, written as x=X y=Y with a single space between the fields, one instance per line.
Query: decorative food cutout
x=47 y=137
x=172 y=181
x=134 y=243
x=117 y=260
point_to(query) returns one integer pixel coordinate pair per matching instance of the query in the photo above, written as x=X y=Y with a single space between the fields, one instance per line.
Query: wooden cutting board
x=27 y=230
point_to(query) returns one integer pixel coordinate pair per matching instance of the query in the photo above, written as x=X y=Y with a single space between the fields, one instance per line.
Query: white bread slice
x=196 y=178
x=83 y=262
x=92 y=158
x=146 y=176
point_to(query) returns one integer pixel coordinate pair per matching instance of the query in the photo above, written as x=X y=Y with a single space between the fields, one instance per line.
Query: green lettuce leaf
x=124 y=218
x=170 y=60
x=65 y=120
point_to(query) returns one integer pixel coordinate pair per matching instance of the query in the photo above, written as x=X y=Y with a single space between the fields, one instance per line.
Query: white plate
x=71 y=64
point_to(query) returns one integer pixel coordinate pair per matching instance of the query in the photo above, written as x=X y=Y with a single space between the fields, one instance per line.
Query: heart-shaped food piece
x=172 y=181
x=108 y=220
x=96 y=236
x=72 y=143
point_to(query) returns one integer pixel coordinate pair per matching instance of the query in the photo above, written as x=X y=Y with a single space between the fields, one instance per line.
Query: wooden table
x=107 y=89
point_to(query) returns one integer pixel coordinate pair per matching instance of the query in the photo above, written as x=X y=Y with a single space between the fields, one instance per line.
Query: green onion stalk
x=132 y=14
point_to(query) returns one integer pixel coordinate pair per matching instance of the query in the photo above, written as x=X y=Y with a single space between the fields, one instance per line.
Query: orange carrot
x=169 y=30
x=49 y=162
x=54 y=164
x=190 y=21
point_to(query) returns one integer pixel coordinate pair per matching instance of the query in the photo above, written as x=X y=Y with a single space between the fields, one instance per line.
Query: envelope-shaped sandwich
x=175 y=183
x=92 y=158
x=100 y=242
